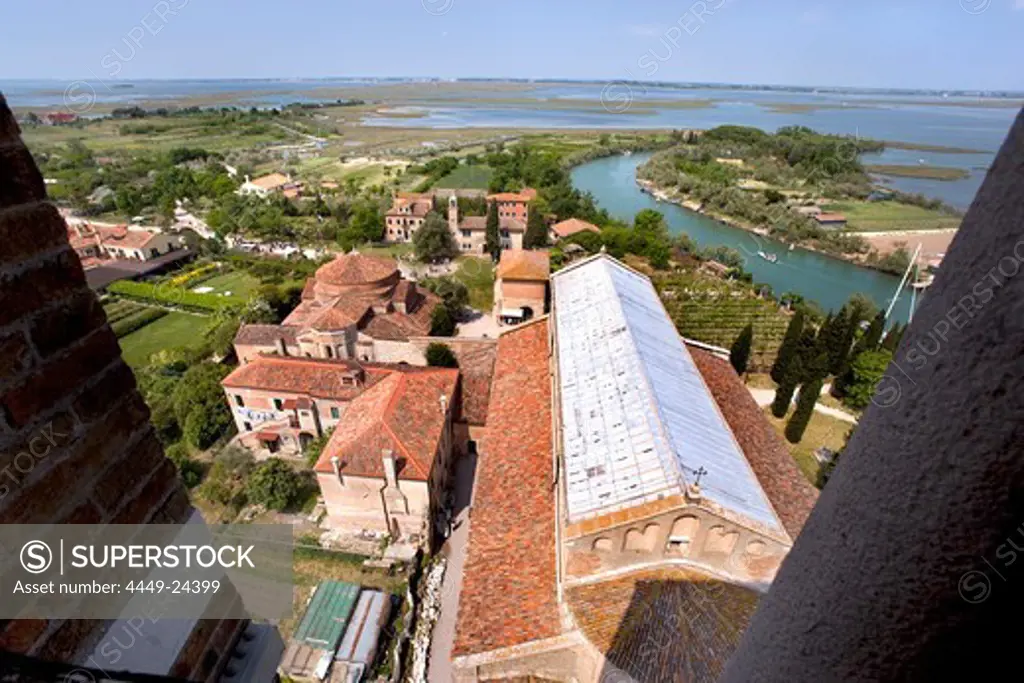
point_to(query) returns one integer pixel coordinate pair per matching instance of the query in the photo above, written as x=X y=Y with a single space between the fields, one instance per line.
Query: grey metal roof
x=638 y=420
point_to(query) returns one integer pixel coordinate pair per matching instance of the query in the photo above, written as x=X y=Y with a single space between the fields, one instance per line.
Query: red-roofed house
x=514 y=205
x=128 y=242
x=406 y=215
x=388 y=463
x=570 y=227
x=521 y=285
x=471 y=232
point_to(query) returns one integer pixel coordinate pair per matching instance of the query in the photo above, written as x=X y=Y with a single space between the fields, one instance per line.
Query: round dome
x=355 y=269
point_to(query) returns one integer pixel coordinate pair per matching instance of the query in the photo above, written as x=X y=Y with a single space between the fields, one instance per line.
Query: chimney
x=390 y=475
x=444 y=404
x=336 y=466
x=247 y=178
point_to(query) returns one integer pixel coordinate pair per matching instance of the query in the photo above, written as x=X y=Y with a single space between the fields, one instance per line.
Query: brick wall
x=76 y=445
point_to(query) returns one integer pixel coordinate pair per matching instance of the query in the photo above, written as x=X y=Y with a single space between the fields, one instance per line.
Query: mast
x=903 y=282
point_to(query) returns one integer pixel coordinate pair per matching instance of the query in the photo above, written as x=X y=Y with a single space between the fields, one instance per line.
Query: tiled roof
x=508 y=589
x=340 y=314
x=790 y=493
x=573 y=226
x=480 y=223
x=523 y=264
x=668 y=624
x=122 y=236
x=265 y=335
x=401 y=413
x=271 y=181
x=476 y=365
x=398 y=326
x=320 y=378
x=356 y=269
x=527 y=194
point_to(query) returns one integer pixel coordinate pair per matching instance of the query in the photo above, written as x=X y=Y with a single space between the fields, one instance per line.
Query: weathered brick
x=31 y=290
x=40 y=390
x=95 y=401
x=19 y=635
x=62 y=327
x=225 y=634
x=20 y=180
x=29 y=230
x=191 y=655
x=148 y=500
x=69 y=639
x=43 y=442
x=86 y=513
x=117 y=482
x=176 y=510
x=15 y=355
x=40 y=501
x=101 y=448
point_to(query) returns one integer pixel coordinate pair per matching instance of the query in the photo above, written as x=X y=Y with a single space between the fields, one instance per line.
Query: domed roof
x=356 y=269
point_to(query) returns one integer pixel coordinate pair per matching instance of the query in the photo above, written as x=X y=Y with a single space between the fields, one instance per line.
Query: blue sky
x=889 y=43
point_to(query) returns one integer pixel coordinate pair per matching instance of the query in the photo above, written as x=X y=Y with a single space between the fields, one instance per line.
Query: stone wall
x=76 y=445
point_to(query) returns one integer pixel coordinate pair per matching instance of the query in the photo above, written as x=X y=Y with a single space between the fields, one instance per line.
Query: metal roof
x=637 y=419
x=327 y=615
x=360 y=642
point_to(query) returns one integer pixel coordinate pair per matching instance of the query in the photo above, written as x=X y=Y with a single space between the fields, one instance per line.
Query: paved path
x=454 y=549
x=765 y=397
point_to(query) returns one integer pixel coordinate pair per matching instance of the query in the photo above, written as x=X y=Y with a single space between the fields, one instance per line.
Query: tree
x=788 y=349
x=440 y=356
x=805 y=403
x=199 y=405
x=275 y=484
x=873 y=336
x=442 y=323
x=434 y=240
x=739 y=354
x=492 y=239
x=893 y=338
x=454 y=293
x=536 y=235
x=783 y=397
x=866 y=372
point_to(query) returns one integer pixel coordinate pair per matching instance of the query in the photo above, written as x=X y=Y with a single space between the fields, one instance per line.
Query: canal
x=825 y=280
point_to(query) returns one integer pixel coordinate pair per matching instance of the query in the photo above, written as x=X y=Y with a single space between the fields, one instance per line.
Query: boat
x=770 y=258
x=792 y=247
x=627 y=153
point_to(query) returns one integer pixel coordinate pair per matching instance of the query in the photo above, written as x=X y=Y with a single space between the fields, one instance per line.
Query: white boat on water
x=770 y=258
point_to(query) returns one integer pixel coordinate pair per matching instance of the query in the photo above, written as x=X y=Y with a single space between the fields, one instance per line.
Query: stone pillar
x=908 y=568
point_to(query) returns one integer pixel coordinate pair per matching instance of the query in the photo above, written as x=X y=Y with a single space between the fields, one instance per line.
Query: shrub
x=174 y=296
x=442 y=323
x=199 y=405
x=225 y=482
x=866 y=371
x=275 y=484
x=440 y=356
x=739 y=355
x=801 y=417
x=136 y=321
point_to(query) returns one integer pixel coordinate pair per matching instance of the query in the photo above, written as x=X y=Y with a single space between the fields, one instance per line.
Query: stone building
x=653 y=506
x=354 y=308
x=471 y=231
x=406 y=215
x=521 y=285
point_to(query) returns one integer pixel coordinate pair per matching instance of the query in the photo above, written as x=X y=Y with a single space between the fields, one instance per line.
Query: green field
x=478 y=276
x=822 y=430
x=238 y=282
x=927 y=172
x=885 y=216
x=467 y=177
x=172 y=331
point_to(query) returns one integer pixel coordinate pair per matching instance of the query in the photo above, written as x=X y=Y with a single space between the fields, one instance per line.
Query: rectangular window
x=239 y=401
x=278 y=404
x=335 y=413
x=248 y=426
x=467 y=233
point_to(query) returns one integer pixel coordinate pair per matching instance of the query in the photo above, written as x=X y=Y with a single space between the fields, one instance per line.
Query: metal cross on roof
x=699 y=473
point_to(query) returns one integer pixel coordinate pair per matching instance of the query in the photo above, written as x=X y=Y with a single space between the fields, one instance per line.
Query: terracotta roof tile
x=668 y=624
x=508 y=590
x=527 y=194
x=790 y=493
x=401 y=413
x=271 y=181
x=476 y=365
x=480 y=223
x=356 y=269
x=573 y=226
x=522 y=264
x=265 y=335
x=320 y=378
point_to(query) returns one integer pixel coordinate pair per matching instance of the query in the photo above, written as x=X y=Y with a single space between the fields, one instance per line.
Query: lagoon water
x=828 y=281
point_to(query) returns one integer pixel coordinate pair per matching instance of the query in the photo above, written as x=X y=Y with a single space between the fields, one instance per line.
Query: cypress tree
x=848 y=327
x=873 y=336
x=796 y=368
x=892 y=338
x=783 y=397
x=739 y=354
x=797 y=424
x=788 y=349
x=492 y=239
x=536 y=232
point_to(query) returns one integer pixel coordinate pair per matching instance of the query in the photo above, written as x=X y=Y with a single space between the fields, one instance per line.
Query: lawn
x=478 y=276
x=172 y=331
x=822 y=430
x=476 y=177
x=238 y=282
x=886 y=216
x=920 y=171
